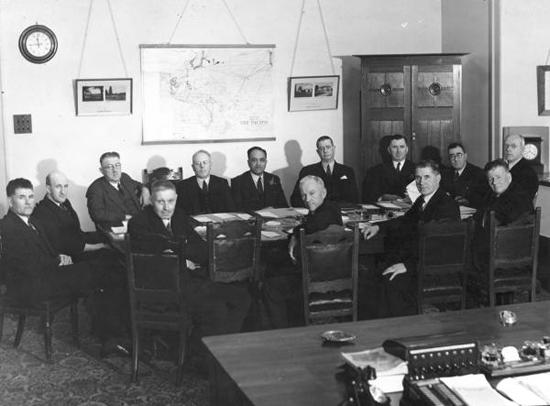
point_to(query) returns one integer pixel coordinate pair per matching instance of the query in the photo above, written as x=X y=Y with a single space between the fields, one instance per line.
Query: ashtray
x=337 y=336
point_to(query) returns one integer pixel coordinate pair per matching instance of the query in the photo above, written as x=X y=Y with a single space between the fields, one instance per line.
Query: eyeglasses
x=458 y=155
x=112 y=167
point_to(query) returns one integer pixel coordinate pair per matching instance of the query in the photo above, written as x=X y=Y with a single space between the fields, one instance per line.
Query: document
x=224 y=216
x=369 y=207
x=267 y=214
x=412 y=191
x=203 y=219
x=244 y=216
x=475 y=390
x=527 y=390
x=270 y=234
x=388 y=205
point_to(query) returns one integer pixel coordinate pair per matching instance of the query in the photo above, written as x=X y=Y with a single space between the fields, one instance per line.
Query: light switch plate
x=22 y=124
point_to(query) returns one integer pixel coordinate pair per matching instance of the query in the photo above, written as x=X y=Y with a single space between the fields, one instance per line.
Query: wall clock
x=532 y=153
x=37 y=43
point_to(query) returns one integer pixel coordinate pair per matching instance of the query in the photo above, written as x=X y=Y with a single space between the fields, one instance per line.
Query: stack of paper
x=474 y=390
x=527 y=390
x=390 y=369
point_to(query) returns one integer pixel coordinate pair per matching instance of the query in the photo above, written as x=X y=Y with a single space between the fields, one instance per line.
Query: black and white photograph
x=307 y=93
x=303 y=90
x=99 y=97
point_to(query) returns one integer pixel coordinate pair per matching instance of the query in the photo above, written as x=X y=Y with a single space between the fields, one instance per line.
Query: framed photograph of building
x=98 y=97
x=543 y=89
x=306 y=93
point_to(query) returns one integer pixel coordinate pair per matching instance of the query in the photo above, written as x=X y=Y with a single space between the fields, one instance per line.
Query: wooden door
x=435 y=106
x=386 y=108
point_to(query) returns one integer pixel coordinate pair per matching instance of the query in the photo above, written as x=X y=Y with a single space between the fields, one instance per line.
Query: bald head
x=513 y=148
x=57 y=187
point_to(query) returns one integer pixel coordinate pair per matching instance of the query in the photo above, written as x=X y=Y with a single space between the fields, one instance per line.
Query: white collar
x=24 y=218
x=255 y=177
x=428 y=197
x=200 y=181
x=461 y=170
x=166 y=221
x=402 y=162
x=331 y=164
x=114 y=184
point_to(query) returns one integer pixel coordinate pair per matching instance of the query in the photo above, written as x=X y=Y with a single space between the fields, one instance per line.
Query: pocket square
x=343 y=177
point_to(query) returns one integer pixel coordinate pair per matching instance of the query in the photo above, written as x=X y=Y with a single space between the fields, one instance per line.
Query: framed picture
x=100 y=97
x=543 y=89
x=306 y=93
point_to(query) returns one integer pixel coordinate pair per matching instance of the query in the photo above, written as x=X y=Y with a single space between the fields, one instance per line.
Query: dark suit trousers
x=78 y=279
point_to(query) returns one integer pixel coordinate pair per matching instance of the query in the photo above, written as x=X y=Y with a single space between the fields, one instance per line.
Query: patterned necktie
x=32 y=227
x=329 y=172
x=260 y=186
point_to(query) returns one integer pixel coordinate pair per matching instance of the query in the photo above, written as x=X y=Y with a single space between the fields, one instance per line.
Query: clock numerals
x=530 y=152
x=38 y=44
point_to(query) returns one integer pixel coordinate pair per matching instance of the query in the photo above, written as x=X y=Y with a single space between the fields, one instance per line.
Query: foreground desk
x=291 y=367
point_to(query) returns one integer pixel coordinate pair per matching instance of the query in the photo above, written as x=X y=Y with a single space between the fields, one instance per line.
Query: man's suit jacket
x=107 y=206
x=471 y=184
x=149 y=234
x=219 y=196
x=383 y=179
x=404 y=230
x=525 y=176
x=27 y=257
x=246 y=196
x=341 y=186
x=62 y=227
x=325 y=215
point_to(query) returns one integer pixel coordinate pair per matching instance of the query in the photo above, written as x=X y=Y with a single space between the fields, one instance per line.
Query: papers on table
x=476 y=391
x=221 y=217
x=388 y=205
x=528 y=389
x=412 y=191
x=282 y=213
x=369 y=207
x=270 y=234
x=466 y=212
x=389 y=368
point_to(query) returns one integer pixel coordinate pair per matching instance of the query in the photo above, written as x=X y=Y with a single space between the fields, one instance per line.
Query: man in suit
x=35 y=271
x=339 y=179
x=204 y=193
x=60 y=222
x=398 y=281
x=257 y=189
x=522 y=173
x=389 y=179
x=61 y=226
x=216 y=308
x=465 y=182
x=115 y=196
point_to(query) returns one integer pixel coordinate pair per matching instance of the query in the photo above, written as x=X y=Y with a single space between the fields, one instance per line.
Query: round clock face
x=38 y=44
x=530 y=152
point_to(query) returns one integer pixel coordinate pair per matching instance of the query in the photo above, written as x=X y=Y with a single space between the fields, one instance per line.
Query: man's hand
x=369 y=230
x=145 y=197
x=291 y=248
x=95 y=247
x=64 y=260
x=394 y=270
x=191 y=265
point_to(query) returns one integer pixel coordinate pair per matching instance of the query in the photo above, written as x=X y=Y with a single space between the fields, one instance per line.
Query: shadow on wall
x=219 y=164
x=289 y=174
x=77 y=193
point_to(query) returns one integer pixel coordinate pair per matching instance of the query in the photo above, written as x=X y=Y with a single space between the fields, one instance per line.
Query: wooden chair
x=330 y=273
x=234 y=250
x=442 y=262
x=156 y=301
x=162 y=173
x=46 y=310
x=513 y=257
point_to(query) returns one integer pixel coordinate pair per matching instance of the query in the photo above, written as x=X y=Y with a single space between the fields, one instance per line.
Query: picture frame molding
x=298 y=102
x=102 y=106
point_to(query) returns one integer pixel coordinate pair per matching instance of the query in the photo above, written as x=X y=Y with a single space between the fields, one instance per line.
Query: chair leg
x=181 y=356
x=1 y=325
x=48 y=336
x=135 y=355
x=74 y=323
x=19 y=332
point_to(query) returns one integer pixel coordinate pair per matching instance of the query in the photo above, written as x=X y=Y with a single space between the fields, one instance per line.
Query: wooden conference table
x=292 y=367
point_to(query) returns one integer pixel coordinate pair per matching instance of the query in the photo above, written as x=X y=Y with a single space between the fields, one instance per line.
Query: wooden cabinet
x=418 y=96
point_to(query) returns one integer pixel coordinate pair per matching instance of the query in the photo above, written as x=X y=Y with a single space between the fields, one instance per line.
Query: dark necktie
x=398 y=167
x=421 y=202
x=120 y=190
x=329 y=172
x=260 y=186
x=32 y=227
x=204 y=187
x=455 y=176
x=169 y=227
